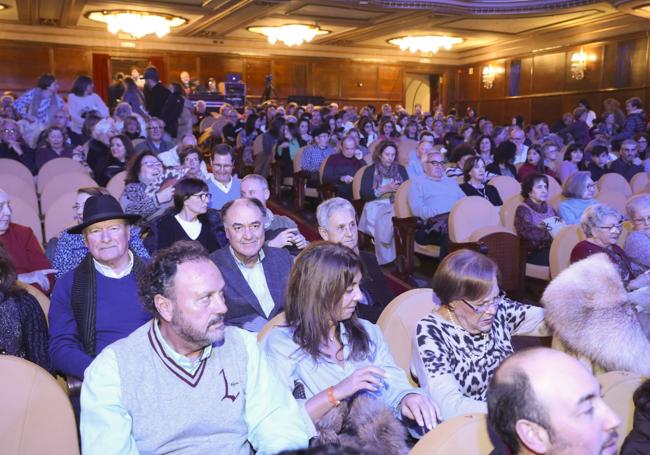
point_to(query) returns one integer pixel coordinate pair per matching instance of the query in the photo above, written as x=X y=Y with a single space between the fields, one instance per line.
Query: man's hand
x=422 y=409
x=288 y=237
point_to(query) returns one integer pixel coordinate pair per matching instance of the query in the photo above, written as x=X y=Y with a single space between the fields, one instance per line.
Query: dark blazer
x=374 y=285
x=155 y=98
x=243 y=306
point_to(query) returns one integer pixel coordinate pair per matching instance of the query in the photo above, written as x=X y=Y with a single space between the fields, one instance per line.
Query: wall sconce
x=488 y=76
x=578 y=65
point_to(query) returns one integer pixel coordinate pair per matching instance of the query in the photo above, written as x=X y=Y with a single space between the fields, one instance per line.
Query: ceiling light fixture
x=137 y=23
x=290 y=34
x=578 y=64
x=428 y=44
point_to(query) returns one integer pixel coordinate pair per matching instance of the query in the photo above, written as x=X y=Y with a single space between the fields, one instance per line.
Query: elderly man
x=24 y=250
x=517 y=137
x=279 y=231
x=628 y=164
x=341 y=167
x=431 y=197
x=97 y=303
x=184 y=382
x=224 y=186
x=337 y=223
x=13 y=147
x=414 y=167
x=155 y=140
x=314 y=155
x=541 y=401
x=256 y=275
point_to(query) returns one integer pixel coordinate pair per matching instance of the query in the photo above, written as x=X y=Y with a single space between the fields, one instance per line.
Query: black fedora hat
x=102 y=208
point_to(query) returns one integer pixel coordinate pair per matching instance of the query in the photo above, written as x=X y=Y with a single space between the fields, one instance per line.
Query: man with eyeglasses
x=431 y=197
x=637 y=243
x=518 y=137
x=223 y=185
x=13 y=147
x=155 y=138
x=24 y=250
x=97 y=303
x=628 y=164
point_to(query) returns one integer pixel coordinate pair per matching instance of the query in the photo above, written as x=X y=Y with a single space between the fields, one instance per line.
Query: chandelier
x=137 y=23
x=291 y=34
x=428 y=44
x=578 y=65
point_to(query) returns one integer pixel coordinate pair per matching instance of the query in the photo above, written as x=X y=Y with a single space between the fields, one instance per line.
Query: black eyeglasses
x=436 y=163
x=483 y=307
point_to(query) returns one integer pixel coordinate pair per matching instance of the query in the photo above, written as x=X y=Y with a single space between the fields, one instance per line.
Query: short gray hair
x=576 y=185
x=636 y=203
x=258 y=178
x=326 y=208
x=593 y=217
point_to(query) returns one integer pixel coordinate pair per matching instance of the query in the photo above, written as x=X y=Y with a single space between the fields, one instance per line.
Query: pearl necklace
x=457 y=324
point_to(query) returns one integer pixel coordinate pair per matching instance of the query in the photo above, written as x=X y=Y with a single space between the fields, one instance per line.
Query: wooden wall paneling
x=638 y=62
x=500 y=85
x=22 y=65
x=593 y=74
x=70 y=62
x=176 y=63
x=549 y=72
x=359 y=80
x=516 y=106
x=526 y=83
x=289 y=77
x=218 y=66
x=325 y=80
x=609 y=65
x=390 y=82
x=255 y=75
x=546 y=109
x=468 y=87
x=493 y=109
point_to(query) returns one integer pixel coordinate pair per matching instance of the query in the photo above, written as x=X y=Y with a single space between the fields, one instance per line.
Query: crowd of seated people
x=240 y=265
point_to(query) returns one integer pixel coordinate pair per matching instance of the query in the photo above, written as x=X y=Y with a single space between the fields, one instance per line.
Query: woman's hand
x=367 y=378
x=165 y=195
x=346 y=178
x=422 y=409
x=388 y=188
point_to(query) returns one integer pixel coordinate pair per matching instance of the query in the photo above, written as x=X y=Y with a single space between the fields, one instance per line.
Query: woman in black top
x=474 y=176
x=504 y=156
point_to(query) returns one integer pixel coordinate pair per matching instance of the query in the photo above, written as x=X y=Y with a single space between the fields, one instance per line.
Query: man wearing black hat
x=97 y=303
x=155 y=93
x=314 y=155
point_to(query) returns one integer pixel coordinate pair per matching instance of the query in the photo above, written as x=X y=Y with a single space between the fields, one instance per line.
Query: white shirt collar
x=225 y=188
x=186 y=363
x=110 y=273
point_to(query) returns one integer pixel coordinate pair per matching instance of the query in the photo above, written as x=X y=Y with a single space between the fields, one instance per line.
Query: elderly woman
x=149 y=189
x=70 y=249
x=379 y=183
x=23 y=329
x=191 y=160
x=468 y=334
x=98 y=146
x=579 y=191
x=474 y=177
x=121 y=115
x=534 y=217
x=189 y=219
x=327 y=355
x=637 y=243
x=54 y=146
x=602 y=225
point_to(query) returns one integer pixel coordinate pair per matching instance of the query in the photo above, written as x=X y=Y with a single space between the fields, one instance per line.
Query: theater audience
x=637 y=243
x=313 y=155
x=598 y=164
x=83 y=100
x=628 y=164
x=270 y=139
x=532 y=414
x=97 y=303
x=99 y=145
x=23 y=329
x=24 y=249
x=635 y=121
x=518 y=138
x=534 y=218
x=121 y=152
x=71 y=249
x=155 y=93
x=379 y=183
x=535 y=163
x=54 y=146
x=474 y=178
x=341 y=167
x=334 y=355
x=170 y=372
x=256 y=275
x=337 y=223
x=12 y=145
x=149 y=189
x=134 y=97
x=188 y=219
x=503 y=160
x=468 y=334
x=602 y=226
x=173 y=109
x=459 y=154
x=572 y=162
x=39 y=104
x=190 y=158
x=155 y=141
x=279 y=231
x=223 y=185
x=579 y=191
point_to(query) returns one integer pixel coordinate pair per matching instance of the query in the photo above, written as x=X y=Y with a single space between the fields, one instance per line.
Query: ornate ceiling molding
x=480 y=7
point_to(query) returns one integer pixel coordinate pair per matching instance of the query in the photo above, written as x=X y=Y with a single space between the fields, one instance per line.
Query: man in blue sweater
x=97 y=303
x=223 y=185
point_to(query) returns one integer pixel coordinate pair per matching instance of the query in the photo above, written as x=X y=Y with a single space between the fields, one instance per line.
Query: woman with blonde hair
x=338 y=365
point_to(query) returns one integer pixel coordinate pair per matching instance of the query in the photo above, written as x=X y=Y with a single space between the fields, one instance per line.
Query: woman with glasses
x=149 y=188
x=637 y=243
x=602 y=225
x=188 y=219
x=579 y=191
x=468 y=334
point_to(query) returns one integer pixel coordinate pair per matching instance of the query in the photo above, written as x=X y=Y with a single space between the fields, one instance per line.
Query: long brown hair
x=317 y=283
x=7 y=274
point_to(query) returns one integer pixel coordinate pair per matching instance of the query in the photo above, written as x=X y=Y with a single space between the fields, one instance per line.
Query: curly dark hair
x=135 y=164
x=159 y=274
x=530 y=181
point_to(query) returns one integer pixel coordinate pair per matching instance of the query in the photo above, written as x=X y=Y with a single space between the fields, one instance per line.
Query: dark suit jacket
x=243 y=306
x=155 y=98
x=374 y=285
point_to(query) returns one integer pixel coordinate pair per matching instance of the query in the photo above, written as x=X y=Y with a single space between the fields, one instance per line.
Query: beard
x=193 y=335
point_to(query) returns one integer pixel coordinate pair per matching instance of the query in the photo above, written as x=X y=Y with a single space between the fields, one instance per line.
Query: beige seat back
x=53 y=169
x=508 y=209
x=465 y=434
x=356 y=182
x=297 y=160
x=639 y=182
x=469 y=214
x=277 y=320
x=15 y=168
x=614 y=182
x=36 y=415
x=617 y=388
x=116 y=185
x=613 y=199
x=401 y=205
x=398 y=320
x=40 y=297
x=23 y=213
x=563 y=243
x=506 y=186
x=321 y=170
x=554 y=188
x=206 y=123
x=258 y=144
x=60 y=215
x=18 y=186
x=65 y=183
x=404 y=149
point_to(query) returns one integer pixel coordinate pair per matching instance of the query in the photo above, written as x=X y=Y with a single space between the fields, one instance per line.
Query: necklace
x=456 y=323
x=481 y=191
